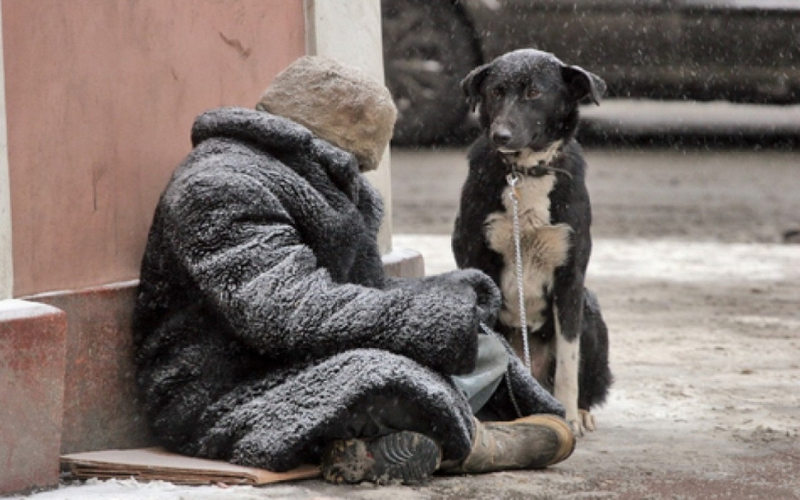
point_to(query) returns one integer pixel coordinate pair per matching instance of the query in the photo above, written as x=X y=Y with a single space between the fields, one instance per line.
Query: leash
x=512 y=179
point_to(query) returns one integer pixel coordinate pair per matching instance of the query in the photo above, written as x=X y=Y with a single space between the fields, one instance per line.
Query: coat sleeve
x=488 y=298
x=242 y=249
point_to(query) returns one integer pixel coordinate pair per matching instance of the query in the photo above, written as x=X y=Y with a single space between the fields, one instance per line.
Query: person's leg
x=532 y=442
x=490 y=367
x=387 y=438
x=279 y=426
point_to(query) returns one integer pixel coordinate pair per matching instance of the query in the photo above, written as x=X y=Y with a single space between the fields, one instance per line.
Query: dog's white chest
x=543 y=247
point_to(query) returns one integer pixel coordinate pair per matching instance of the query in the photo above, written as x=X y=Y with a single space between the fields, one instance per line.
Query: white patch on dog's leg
x=565 y=387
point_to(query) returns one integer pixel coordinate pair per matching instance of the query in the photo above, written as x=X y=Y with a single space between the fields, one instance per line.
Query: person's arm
x=240 y=246
x=488 y=298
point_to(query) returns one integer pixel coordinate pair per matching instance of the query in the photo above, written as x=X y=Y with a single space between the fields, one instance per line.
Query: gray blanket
x=264 y=315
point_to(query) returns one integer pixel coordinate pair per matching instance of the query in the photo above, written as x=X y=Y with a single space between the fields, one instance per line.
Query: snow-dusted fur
x=264 y=315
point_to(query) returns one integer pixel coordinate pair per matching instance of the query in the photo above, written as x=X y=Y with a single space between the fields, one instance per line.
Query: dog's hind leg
x=595 y=376
x=565 y=386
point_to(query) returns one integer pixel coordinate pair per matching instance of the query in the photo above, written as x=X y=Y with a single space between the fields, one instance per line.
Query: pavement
x=705 y=404
x=700 y=288
x=629 y=118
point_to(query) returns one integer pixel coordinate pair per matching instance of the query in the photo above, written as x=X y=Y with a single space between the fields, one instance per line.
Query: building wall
x=100 y=98
x=6 y=263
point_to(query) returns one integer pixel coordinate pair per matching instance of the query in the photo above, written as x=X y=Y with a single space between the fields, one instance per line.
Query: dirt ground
x=700 y=286
x=702 y=297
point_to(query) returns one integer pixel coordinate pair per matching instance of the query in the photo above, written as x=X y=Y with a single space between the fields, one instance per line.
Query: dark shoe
x=533 y=442
x=402 y=457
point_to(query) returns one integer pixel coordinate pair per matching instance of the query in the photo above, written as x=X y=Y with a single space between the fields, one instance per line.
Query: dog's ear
x=585 y=86
x=472 y=83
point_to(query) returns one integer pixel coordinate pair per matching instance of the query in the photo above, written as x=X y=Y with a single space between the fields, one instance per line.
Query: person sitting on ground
x=267 y=333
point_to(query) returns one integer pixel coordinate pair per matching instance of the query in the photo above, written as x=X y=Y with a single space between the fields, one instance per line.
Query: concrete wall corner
x=32 y=366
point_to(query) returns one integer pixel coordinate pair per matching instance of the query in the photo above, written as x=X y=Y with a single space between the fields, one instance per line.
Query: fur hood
x=295 y=145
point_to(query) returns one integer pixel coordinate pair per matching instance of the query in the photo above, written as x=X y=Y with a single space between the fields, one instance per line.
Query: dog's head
x=529 y=99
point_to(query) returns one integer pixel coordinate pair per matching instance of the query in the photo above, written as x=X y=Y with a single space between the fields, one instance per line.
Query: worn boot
x=532 y=442
x=402 y=457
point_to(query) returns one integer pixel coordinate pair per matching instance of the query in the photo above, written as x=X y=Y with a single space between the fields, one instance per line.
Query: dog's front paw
x=581 y=423
x=587 y=420
x=577 y=427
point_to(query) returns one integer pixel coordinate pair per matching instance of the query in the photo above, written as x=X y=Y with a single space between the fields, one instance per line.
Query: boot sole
x=402 y=457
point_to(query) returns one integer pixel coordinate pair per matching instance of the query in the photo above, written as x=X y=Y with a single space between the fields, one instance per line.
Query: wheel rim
x=427 y=50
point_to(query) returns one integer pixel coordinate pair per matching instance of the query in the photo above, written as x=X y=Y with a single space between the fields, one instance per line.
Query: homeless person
x=267 y=333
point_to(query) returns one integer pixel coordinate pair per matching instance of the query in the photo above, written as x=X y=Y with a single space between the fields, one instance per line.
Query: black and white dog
x=528 y=107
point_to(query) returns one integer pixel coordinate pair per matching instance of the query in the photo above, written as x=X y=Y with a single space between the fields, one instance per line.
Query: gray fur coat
x=264 y=314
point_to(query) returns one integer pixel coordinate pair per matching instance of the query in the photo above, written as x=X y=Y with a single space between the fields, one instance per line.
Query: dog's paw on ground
x=587 y=419
x=583 y=423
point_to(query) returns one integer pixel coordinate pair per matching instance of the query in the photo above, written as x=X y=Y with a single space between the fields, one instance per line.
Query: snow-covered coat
x=264 y=314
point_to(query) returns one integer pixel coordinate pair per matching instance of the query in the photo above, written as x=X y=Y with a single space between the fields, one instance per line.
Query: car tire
x=428 y=48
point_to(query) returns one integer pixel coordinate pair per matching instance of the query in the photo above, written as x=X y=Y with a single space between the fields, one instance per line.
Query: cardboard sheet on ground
x=149 y=464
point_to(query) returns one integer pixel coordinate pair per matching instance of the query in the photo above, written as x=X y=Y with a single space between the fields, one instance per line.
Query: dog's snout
x=501 y=136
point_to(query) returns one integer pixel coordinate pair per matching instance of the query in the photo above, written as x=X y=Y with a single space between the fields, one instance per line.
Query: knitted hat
x=338 y=103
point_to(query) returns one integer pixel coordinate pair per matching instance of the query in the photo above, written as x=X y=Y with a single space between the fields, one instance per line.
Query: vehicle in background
x=741 y=51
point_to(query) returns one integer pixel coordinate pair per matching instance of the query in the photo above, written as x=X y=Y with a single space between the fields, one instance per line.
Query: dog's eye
x=532 y=93
x=498 y=92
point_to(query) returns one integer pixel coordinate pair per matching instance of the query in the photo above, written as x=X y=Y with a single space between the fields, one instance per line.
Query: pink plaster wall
x=100 y=97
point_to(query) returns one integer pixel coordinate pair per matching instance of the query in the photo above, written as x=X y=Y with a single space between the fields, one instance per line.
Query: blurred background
x=735 y=51
x=697 y=137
